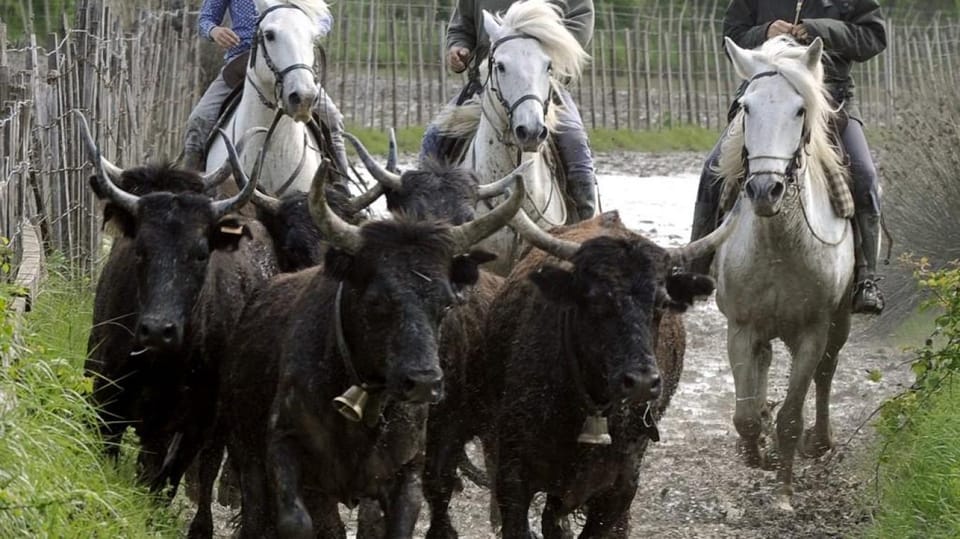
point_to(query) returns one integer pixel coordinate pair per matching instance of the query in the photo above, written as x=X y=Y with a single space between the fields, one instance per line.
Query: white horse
x=530 y=51
x=280 y=77
x=786 y=269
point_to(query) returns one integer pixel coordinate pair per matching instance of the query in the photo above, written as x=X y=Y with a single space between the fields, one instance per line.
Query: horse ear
x=262 y=5
x=324 y=24
x=742 y=59
x=491 y=26
x=814 y=53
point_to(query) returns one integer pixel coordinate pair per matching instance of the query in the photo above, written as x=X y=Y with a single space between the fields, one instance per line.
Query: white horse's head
x=283 y=52
x=783 y=115
x=529 y=45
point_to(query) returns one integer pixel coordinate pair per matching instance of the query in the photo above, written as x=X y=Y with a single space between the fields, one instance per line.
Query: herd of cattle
x=348 y=362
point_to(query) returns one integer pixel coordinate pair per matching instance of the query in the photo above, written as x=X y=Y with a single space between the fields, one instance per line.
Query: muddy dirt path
x=693 y=484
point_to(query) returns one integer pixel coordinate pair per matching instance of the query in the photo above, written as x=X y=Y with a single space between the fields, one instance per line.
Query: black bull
x=170 y=292
x=298 y=457
x=586 y=333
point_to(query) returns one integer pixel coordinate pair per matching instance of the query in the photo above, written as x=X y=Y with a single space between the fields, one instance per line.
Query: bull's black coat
x=522 y=401
x=174 y=261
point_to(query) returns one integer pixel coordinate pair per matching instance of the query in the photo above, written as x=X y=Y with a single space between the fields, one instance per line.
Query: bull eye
x=202 y=256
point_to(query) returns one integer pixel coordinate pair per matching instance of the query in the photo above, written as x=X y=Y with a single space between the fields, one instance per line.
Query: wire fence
x=137 y=70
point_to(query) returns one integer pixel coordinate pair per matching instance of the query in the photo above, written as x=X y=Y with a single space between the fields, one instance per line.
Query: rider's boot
x=707 y=209
x=582 y=189
x=867 y=297
x=339 y=151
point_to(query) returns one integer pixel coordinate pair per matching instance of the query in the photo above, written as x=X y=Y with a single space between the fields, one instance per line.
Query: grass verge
x=682 y=138
x=920 y=473
x=54 y=481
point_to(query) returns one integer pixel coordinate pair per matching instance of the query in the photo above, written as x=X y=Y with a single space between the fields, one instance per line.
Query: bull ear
x=465 y=270
x=116 y=220
x=556 y=284
x=338 y=264
x=228 y=233
x=684 y=287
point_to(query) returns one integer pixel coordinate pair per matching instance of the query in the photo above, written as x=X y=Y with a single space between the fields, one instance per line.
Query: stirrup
x=867 y=297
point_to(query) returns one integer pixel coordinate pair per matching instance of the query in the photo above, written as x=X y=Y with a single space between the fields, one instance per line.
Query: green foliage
x=920 y=462
x=54 y=480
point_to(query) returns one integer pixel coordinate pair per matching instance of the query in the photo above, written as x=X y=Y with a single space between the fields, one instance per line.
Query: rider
x=467 y=47
x=852 y=31
x=237 y=41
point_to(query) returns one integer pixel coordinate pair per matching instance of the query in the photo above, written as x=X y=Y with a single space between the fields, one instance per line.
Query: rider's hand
x=800 y=33
x=224 y=37
x=457 y=58
x=778 y=28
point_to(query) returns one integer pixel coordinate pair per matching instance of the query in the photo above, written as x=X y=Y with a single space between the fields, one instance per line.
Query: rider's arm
x=578 y=19
x=740 y=24
x=859 y=38
x=462 y=30
x=211 y=15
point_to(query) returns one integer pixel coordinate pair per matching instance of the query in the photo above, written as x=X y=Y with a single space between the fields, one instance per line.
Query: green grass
x=680 y=138
x=54 y=481
x=920 y=474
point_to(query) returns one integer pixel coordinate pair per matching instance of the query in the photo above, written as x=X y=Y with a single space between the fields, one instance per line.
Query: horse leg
x=742 y=351
x=554 y=521
x=819 y=439
x=764 y=356
x=807 y=349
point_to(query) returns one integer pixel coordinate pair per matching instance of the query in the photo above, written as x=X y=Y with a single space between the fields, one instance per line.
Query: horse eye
x=500 y=67
x=550 y=67
x=801 y=112
x=269 y=35
x=746 y=109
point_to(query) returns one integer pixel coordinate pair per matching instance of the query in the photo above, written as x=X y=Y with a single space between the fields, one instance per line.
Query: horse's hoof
x=813 y=446
x=749 y=451
x=781 y=502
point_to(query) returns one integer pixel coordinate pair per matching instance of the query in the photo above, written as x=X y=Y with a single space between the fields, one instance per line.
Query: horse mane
x=785 y=56
x=543 y=21
x=318 y=10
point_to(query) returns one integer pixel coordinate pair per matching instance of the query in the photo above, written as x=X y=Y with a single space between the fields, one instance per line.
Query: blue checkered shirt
x=243 y=17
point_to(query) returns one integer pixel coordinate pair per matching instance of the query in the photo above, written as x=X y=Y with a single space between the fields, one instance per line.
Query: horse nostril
x=543 y=134
x=750 y=190
x=294 y=99
x=777 y=190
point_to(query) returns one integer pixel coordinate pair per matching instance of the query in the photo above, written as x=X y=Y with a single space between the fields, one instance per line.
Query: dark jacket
x=852 y=31
x=466 y=25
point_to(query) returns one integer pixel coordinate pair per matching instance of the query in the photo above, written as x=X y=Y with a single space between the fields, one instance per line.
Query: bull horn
x=106 y=172
x=225 y=170
x=338 y=232
x=392 y=152
x=499 y=187
x=469 y=233
x=541 y=239
x=368 y=197
x=223 y=207
x=382 y=175
x=681 y=256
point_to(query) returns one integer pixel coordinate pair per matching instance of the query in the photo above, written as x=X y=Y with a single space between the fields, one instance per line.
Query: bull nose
x=158 y=333
x=640 y=385
x=423 y=387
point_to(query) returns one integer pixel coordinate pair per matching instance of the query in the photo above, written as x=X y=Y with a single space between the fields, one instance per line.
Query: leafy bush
x=919 y=464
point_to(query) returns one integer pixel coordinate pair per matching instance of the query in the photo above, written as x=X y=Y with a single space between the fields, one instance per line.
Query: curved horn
x=106 y=172
x=467 y=234
x=216 y=177
x=338 y=232
x=368 y=197
x=541 y=239
x=223 y=207
x=681 y=256
x=392 y=152
x=387 y=178
x=499 y=187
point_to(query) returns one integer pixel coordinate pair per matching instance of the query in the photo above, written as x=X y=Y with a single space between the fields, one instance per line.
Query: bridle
x=278 y=74
x=494 y=89
x=794 y=162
